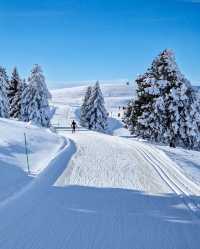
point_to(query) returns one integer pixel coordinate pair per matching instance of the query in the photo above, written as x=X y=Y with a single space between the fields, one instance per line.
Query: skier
x=73 y=126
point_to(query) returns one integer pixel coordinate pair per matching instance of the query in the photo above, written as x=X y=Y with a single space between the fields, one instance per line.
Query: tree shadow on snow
x=88 y=217
x=118 y=218
x=12 y=179
x=56 y=217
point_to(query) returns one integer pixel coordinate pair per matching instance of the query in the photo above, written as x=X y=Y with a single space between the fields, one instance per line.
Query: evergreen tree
x=23 y=84
x=14 y=94
x=127 y=113
x=4 y=103
x=6 y=79
x=96 y=114
x=166 y=108
x=35 y=106
x=142 y=117
x=85 y=108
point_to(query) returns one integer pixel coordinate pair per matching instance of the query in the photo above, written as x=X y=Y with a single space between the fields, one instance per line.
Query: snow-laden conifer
x=96 y=114
x=14 y=94
x=85 y=108
x=4 y=103
x=165 y=109
x=35 y=106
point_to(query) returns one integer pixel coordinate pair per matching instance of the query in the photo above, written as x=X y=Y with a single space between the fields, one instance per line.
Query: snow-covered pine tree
x=4 y=103
x=96 y=114
x=165 y=109
x=142 y=118
x=6 y=79
x=24 y=84
x=14 y=94
x=127 y=113
x=85 y=108
x=178 y=103
x=189 y=122
x=35 y=106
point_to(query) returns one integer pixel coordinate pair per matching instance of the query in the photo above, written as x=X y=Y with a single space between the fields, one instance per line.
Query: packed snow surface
x=68 y=101
x=101 y=191
x=85 y=203
x=41 y=145
x=114 y=163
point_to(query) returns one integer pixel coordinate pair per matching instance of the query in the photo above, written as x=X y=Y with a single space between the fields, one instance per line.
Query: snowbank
x=42 y=146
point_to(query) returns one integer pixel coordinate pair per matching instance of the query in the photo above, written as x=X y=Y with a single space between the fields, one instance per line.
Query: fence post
x=26 y=150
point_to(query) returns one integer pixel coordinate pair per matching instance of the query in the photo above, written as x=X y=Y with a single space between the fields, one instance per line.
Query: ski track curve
x=124 y=196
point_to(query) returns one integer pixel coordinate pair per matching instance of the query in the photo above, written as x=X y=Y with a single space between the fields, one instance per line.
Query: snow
x=166 y=113
x=35 y=105
x=93 y=190
x=56 y=212
x=188 y=161
x=114 y=163
x=94 y=110
x=4 y=102
x=115 y=95
x=68 y=101
x=42 y=146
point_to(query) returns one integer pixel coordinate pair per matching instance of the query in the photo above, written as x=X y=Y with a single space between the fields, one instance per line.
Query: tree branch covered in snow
x=166 y=108
x=35 y=106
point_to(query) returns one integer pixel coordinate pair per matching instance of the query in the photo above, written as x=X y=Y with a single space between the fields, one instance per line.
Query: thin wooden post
x=26 y=150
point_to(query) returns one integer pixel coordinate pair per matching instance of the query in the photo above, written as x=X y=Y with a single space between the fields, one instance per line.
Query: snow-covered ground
x=68 y=101
x=188 y=161
x=42 y=146
x=98 y=191
x=115 y=163
x=115 y=96
x=123 y=162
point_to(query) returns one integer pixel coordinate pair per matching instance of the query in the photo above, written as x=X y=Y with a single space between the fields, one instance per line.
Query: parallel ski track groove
x=154 y=162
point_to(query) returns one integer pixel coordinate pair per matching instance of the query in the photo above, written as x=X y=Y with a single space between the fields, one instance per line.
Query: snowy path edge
x=47 y=177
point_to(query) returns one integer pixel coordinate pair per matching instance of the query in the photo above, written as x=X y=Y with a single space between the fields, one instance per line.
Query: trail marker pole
x=26 y=150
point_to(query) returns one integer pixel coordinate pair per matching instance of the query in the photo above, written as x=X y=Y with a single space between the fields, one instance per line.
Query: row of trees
x=166 y=108
x=25 y=101
x=93 y=114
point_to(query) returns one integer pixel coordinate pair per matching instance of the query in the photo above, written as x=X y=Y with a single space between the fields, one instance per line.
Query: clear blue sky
x=77 y=40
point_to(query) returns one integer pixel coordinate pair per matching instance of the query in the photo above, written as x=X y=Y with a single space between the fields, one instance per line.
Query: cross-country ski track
x=103 y=192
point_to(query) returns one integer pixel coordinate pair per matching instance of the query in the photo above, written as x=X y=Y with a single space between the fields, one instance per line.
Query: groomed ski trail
x=127 y=164
x=110 y=162
x=179 y=183
x=108 y=196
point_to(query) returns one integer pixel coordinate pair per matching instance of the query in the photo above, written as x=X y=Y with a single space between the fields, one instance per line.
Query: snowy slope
x=57 y=213
x=169 y=171
x=102 y=191
x=42 y=146
x=68 y=101
x=115 y=95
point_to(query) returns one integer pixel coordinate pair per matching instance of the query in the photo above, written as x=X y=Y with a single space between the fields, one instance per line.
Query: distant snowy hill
x=69 y=84
x=114 y=94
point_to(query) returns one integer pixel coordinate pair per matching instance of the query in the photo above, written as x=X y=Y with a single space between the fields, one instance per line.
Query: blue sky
x=77 y=40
